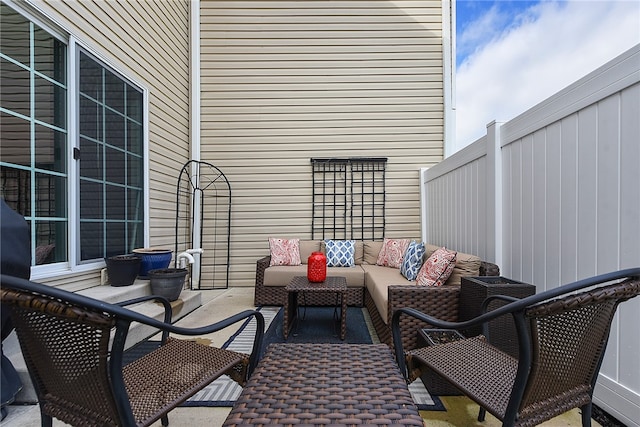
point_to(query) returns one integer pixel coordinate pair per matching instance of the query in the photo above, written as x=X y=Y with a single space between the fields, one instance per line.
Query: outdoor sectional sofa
x=381 y=289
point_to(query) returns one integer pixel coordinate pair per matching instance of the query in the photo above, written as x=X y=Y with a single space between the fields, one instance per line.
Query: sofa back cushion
x=307 y=247
x=359 y=255
x=371 y=251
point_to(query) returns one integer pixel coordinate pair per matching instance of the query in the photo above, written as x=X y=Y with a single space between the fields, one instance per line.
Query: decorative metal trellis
x=203 y=220
x=348 y=198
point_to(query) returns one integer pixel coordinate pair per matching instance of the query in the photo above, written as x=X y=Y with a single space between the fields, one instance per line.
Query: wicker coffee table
x=300 y=284
x=325 y=384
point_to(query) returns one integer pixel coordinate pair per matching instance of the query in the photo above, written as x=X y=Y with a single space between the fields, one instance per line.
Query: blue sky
x=472 y=17
x=513 y=54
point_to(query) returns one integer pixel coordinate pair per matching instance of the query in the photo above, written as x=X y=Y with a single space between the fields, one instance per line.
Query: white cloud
x=553 y=45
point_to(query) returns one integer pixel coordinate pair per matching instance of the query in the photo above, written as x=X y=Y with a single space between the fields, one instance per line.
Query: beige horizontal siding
x=286 y=81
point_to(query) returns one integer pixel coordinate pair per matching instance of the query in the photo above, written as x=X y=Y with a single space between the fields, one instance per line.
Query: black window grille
x=348 y=198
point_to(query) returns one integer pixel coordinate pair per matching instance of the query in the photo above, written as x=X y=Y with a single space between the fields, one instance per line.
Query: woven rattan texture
x=489 y=269
x=569 y=335
x=174 y=372
x=275 y=295
x=336 y=287
x=502 y=331
x=67 y=351
x=440 y=302
x=436 y=385
x=325 y=384
x=469 y=359
x=331 y=284
x=70 y=364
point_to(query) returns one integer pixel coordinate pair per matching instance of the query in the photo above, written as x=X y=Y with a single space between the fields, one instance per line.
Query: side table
x=335 y=284
x=474 y=290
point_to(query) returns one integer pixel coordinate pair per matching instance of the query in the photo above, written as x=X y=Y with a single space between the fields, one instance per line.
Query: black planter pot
x=122 y=269
x=167 y=282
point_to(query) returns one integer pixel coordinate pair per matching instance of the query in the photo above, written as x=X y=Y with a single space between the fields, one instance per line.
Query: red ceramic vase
x=317 y=267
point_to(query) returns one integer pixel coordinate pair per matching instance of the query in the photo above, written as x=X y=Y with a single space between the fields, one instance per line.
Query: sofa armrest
x=489 y=269
x=261 y=266
x=440 y=302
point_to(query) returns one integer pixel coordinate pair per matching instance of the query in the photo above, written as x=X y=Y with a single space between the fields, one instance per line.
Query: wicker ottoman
x=326 y=384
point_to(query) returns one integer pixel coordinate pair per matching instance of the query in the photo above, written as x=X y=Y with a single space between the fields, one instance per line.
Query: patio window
x=47 y=168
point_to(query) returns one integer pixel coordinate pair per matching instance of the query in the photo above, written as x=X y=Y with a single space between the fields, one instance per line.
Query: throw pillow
x=437 y=268
x=392 y=252
x=412 y=260
x=340 y=253
x=284 y=251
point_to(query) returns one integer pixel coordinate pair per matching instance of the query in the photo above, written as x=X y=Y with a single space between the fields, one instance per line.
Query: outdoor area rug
x=317 y=327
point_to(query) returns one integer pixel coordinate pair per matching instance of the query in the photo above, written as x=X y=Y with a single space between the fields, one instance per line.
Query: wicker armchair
x=73 y=347
x=562 y=336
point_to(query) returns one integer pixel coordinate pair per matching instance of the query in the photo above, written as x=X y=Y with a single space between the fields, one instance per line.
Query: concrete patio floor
x=219 y=304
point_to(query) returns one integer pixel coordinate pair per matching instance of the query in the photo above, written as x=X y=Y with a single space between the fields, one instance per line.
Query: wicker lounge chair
x=562 y=336
x=73 y=347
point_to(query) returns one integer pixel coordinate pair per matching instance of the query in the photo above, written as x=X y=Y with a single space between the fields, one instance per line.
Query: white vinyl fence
x=553 y=196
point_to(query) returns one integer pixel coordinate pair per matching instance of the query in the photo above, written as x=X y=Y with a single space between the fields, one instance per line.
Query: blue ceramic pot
x=151 y=259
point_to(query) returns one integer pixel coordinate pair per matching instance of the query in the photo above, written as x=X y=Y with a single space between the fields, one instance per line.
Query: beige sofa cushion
x=377 y=280
x=359 y=254
x=281 y=275
x=371 y=251
x=466 y=265
x=307 y=247
x=354 y=275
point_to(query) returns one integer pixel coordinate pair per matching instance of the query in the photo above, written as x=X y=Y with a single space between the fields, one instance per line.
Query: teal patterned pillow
x=340 y=253
x=412 y=260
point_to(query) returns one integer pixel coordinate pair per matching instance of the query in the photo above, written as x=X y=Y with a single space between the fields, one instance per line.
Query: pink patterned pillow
x=437 y=268
x=284 y=251
x=392 y=252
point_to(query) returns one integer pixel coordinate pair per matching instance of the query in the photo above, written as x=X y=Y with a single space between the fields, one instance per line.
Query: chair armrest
x=125 y=316
x=411 y=313
x=256 y=352
x=168 y=311
x=485 y=306
x=487 y=301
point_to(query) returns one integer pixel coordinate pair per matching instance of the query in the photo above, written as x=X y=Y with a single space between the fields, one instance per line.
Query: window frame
x=74 y=131
x=74 y=45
